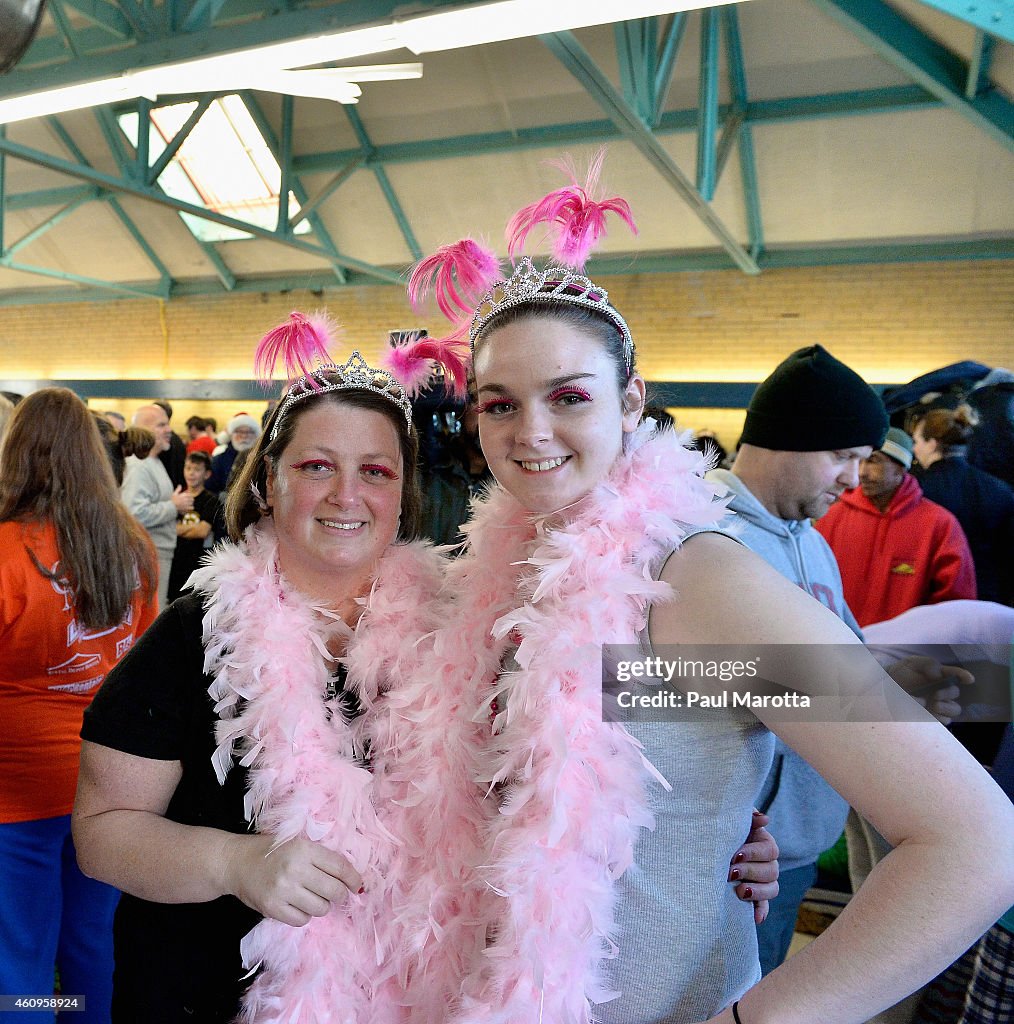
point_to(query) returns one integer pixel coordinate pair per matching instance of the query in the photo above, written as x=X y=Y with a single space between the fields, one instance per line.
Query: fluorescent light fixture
x=257 y=66
x=517 y=19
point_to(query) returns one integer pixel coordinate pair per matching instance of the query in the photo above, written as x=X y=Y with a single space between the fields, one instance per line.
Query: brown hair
x=241 y=508
x=55 y=470
x=950 y=428
x=593 y=324
x=121 y=443
x=199 y=458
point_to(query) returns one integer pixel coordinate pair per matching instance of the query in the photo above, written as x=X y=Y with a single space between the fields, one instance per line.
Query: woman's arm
x=123 y=838
x=949 y=876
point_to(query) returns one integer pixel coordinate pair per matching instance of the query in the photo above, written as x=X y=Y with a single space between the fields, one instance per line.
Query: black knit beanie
x=814 y=403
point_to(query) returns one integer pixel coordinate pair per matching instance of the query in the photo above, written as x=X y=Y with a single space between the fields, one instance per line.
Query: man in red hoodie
x=895 y=548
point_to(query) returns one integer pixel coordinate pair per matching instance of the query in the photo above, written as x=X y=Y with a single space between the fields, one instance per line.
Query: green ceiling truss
x=95 y=38
x=397 y=210
x=282 y=152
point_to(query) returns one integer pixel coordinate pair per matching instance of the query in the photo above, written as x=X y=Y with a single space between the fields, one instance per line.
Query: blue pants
x=51 y=914
x=774 y=936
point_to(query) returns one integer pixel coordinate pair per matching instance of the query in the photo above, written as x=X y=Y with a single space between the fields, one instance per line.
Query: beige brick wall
x=890 y=323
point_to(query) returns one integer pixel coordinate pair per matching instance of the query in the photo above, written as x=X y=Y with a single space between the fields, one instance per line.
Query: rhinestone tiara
x=555 y=285
x=356 y=374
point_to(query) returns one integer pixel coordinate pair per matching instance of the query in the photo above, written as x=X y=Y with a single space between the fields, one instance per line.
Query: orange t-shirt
x=50 y=668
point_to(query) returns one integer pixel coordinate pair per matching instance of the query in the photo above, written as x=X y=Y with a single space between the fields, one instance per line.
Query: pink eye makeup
x=319 y=465
x=493 y=404
x=384 y=471
x=570 y=391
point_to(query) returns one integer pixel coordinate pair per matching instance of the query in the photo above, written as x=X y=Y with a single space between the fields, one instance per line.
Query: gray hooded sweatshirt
x=807 y=815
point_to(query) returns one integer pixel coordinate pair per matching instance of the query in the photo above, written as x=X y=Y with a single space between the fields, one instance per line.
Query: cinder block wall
x=890 y=323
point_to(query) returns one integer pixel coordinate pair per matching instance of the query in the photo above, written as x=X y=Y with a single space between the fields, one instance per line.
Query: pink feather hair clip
x=458 y=275
x=413 y=356
x=298 y=343
x=576 y=214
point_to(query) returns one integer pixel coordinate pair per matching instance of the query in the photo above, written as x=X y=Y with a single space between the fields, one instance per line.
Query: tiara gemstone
x=355 y=374
x=555 y=285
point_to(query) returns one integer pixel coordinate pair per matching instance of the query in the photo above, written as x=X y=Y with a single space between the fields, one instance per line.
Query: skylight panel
x=224 y=165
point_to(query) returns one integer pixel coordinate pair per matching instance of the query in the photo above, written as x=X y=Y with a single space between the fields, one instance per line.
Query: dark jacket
x=984 y=505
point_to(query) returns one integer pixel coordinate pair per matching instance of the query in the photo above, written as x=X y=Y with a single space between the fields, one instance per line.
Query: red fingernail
x=739 y=857
x=748 y=892
x=362 y=889
x=734 y=874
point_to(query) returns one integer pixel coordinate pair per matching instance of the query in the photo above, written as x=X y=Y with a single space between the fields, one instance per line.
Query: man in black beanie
x=807 y=428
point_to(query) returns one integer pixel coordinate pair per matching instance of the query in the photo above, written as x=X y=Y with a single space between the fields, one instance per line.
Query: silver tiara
x=356 y=375
x=555 y=284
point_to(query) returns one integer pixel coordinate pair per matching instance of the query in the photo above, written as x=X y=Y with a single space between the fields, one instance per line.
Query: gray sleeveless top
x=687 y=944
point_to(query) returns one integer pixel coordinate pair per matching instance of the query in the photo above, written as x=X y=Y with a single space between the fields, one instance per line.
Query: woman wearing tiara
x=266 y=775
x=595 y=521
x=225 y=780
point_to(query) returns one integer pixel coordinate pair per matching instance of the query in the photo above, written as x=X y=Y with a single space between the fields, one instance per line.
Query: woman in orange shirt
x=76 y=589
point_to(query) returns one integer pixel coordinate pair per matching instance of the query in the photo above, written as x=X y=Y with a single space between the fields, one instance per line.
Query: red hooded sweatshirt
x=914 y=553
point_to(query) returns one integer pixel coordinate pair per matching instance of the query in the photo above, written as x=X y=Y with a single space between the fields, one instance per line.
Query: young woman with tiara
x=249 y=774
x=595 y=521
x=267 y=775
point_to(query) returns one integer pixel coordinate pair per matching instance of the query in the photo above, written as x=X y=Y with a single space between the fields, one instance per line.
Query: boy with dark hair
x=199 y=529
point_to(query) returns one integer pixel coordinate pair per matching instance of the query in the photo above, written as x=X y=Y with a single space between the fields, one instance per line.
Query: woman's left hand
x=754 y=867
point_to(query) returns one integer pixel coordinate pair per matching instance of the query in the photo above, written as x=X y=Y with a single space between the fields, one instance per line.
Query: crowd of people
x=345 y=775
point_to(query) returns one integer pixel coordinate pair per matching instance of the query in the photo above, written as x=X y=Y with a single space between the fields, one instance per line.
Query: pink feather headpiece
x=303 y=340
x=298 y=343
x=411 y=359
x=471 y=292
x=575 y=213
x=457 y=274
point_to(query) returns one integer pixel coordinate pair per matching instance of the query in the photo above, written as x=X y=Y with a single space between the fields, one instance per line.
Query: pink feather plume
x=576 y=215
x=412 y=363
x=297 y=344
x=459 y=274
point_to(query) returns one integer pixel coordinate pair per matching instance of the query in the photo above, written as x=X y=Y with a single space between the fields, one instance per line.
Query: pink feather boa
x=383 y=957
x=572 y=788
x=477 y=909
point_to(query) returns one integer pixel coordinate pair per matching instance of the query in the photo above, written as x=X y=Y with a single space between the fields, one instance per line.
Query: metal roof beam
x=50 y=222
x=579 y=63
x=135 y=170
x=273 y=27
x=714 y=259
x=264 y=127
x=153 y=258
x=139 y=291
x=51 y=196
x=104 y=15
x=202 y=14
x=636 y=44
x=62 y=23
x=51 y=51
x=326 y=191
x=707 y=105
x=925 y=61
x=72 y=147
x=667 y=62
x=285 y=164
x=142 y=191
x=801 y=108
x=393 y=202
x=173 y=147
x=142 y=19
x=3 y=190
x=742 y=132
x=978 y=67
x=995 y=16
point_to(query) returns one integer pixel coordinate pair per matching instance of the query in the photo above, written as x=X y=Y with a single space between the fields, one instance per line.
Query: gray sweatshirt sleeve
x=141 y=495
